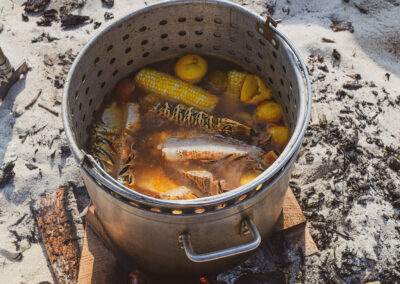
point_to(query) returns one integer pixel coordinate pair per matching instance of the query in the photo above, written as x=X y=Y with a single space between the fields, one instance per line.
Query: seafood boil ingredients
x=187 y=128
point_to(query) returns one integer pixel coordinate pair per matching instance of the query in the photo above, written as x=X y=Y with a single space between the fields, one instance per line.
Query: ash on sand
x=347 y=174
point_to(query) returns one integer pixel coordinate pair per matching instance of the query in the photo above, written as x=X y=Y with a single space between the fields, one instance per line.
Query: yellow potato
x=268 y=112
x=280 y=135
x=247 y=177
x=191 y=68
x=254 y=91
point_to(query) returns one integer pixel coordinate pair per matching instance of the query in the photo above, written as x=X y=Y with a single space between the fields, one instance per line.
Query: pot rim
x=291 y=148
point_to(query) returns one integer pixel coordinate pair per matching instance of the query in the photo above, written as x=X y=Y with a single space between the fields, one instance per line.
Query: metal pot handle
x=246 y=227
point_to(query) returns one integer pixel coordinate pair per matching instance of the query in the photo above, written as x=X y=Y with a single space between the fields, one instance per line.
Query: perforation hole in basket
x=87 y=90
x=99 y=73
x=272 y=67
x=163 y=22
x=164 y=48
x=274 y=43
x=242 y=197
x=142 y=29
x=280 y=80
x=115 y=72
x=274 y=54
x=129 y=62
x=177 y=212
x=258 y=68
x=90 y=102
x=221 y=206
x=290 y=85
x=250 y=33
x=199 y=33
x=249 y=47
x=182 y=45
x=284 y=69
x=76 y=94
x=198 y=45
x=261 y=41
x=102 y=85
x=125 y=37
x=146 y=54
x=217 y=34
x=80 y=106
x=288 y=97
x=218 y=21
x=182 y=33
x=96 y=60
x=83 y=78
x=270 y=80
x=247 y=59
x=181 y=19
x=199 y=210
x=110 y=47
x=279 y=94
x=127 y=50
x=112 y=60
x=260 y=55
x=216 y=47
x=84 y=118
x=198 y=19
x=232 y=39
x=234 y=26
x=162 y=36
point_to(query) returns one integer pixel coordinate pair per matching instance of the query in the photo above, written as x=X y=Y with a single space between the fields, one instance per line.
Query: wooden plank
x=292 y=215
x=96 y=261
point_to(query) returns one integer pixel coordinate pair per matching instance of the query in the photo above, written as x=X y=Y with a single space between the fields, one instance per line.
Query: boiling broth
x=155 y=151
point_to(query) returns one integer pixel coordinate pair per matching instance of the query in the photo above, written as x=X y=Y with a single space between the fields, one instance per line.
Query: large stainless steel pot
x=189 y=236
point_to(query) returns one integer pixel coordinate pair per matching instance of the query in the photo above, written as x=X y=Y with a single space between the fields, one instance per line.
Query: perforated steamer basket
x=202 y=235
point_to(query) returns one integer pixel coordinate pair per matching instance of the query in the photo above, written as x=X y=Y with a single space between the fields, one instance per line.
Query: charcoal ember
x=31 y=166
x=108 y=16
x=336 y=54
x=341 y=95
x=309 y=158
x=108 y=3
x=323 y=68
x=44 y=36
x=393 y=190
x=352 y=86
x=47 y=18
x=339 y=25
x=35 y=6
x=25 y=18
x=6 y=173
x=97 y=25
x=394 y=164
x=65 y=151
x=70 y=21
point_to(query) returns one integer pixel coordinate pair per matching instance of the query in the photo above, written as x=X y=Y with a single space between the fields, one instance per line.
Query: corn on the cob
x=235 y=82
x=174 y=89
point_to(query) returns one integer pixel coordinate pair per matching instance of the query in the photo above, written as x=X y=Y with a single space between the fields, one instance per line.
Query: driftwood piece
x=55 y=222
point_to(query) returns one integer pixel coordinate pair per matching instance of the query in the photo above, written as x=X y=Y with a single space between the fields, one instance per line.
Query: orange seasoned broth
x=147 y=155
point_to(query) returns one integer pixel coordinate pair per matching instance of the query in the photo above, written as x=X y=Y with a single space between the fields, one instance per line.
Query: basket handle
x=247 y=226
